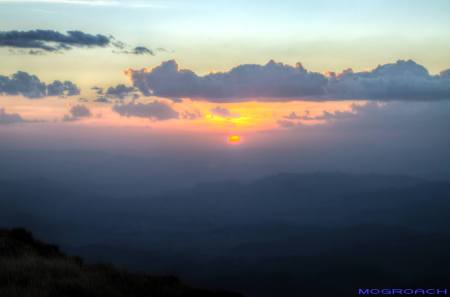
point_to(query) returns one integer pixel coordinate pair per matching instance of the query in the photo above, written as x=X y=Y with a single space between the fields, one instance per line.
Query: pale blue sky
x=217 y=35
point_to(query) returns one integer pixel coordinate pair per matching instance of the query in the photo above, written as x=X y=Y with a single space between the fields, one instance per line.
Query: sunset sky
x=263 y=147
x=196 y=72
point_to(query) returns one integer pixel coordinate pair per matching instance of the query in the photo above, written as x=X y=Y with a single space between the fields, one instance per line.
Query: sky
x=148 y=75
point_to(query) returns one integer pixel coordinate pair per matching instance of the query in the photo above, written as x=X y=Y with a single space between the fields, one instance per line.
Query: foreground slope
x=31 y=268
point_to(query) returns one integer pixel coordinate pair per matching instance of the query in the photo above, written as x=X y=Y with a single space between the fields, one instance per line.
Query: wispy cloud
x=52 y=41
x=38 y=42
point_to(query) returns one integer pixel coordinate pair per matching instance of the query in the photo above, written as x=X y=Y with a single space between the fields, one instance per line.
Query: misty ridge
x=286 y=234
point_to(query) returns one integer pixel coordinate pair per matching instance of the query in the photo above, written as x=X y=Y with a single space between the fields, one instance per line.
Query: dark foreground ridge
x=30 y=268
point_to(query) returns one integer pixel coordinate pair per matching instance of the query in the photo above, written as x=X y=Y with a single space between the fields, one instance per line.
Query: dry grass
x=29 y=268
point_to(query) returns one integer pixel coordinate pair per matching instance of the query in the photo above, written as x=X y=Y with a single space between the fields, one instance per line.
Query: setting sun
x=234 y=139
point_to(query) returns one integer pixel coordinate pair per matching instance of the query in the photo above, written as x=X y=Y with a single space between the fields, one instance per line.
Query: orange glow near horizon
x=242 y=118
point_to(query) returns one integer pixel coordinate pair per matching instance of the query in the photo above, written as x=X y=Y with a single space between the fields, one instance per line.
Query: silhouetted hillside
x=32 y=268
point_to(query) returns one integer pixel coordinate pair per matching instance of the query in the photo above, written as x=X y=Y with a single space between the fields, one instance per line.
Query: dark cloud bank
x=51 y=41
x=30 y=86
x=403 y=80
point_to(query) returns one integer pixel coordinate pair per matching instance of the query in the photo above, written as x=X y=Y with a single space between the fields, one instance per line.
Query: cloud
x=98 y=90
x=36 y=52
x=191 y=115
x=287 y=124
x=10 y=118
x=102 y=99
x=22 y=83
x=120 y=91
x=155 y=110
x=325 y=116
x=337 y=115
x=51 y=41
x=141 y=50
x=39 y=42
x=138 y=50
x=409 y=122
x=223 y=112
x=58 y=88
x=293 y=116
x=77 y=112
x=294 y=120
x=239 y=84
x=28 y=85
x=403 y=80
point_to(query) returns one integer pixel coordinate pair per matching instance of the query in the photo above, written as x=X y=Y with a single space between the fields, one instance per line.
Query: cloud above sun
x=402 y=80
x=223 y=112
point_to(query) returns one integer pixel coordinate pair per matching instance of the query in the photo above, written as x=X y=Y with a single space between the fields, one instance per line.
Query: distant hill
x=32 y=268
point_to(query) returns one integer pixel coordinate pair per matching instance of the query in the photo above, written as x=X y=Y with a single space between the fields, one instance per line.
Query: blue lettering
x=387 y=291
x=363 y=292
